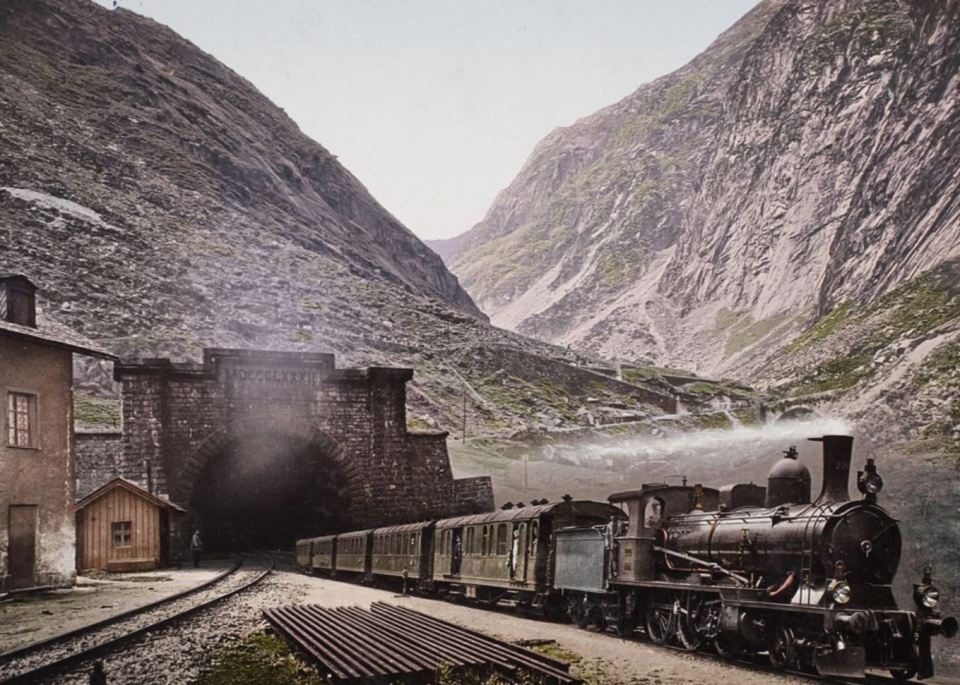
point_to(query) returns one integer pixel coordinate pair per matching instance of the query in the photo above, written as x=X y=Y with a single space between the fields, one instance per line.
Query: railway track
x=67 y=651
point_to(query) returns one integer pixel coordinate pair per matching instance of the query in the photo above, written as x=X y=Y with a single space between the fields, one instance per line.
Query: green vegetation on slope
x=909 y=311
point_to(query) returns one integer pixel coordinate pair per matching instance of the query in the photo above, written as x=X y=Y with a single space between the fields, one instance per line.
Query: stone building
x=263 y=447
x=37 y=444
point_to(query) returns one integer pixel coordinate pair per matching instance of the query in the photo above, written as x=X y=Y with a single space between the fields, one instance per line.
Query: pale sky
x=435 y=104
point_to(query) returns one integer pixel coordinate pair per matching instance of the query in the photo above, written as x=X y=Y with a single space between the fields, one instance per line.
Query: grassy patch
x=415 y=424
x=591 y=674
x=259 y=658
x=836 y=374
x=638 y=375
x=822 y=328
x=704 y=388
x=911 y=310
x=96 y=411
x=714 y=420
x=746 y=333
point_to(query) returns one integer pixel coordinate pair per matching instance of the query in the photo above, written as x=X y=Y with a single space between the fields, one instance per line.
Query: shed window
x=502 y=539
x=21 y=419
x=122 y=531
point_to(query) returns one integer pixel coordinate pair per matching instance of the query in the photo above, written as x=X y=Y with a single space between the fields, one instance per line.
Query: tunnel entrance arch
x=259 y=444
x=263 y=486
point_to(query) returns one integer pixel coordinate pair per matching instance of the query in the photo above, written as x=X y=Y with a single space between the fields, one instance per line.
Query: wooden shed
x=122 y=527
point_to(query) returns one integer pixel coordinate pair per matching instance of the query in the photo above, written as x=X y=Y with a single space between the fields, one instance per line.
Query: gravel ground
x=178 y=654
x=29 y=618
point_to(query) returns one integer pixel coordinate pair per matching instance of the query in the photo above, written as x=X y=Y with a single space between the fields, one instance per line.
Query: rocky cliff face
x=138 y=165
x=809 y=157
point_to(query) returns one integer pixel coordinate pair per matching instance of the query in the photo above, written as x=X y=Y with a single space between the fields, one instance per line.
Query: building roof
x=17 y=277
x=130 y=487
x=54 y=335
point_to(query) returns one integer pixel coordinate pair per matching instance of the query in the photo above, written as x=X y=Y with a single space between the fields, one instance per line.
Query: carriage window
x=413 y=545
x=469 y=545
x=502 y=539
x=486 y=540
x=534 y=530
x=653 y=513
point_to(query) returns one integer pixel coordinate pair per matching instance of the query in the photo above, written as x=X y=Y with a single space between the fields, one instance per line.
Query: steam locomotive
x=742 y=570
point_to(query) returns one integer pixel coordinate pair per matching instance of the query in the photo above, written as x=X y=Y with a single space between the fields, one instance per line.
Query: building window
x=121 y=533
x=21 y=419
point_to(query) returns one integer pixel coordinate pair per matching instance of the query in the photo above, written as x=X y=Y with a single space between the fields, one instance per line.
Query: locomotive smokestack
x=837 y=452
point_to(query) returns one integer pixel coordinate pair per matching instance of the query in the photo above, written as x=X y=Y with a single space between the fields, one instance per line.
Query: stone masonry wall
x=101 y=457
x=178 y=417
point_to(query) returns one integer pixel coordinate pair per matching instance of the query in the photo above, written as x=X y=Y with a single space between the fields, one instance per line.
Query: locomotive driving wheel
x=692 y=620
x=782 y=650
x=659 y=623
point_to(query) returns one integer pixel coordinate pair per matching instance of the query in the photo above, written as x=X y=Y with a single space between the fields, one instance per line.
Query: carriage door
x=521 y=556
x=22 y=550
x=456 y=552
x=543 y=553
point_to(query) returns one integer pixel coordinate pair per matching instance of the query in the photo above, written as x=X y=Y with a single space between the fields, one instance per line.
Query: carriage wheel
x=659 y=624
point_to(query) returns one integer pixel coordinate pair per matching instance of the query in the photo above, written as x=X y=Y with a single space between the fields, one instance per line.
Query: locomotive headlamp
x=872 y=483
x=929 y=597
x=869 y=481
x=840 y=591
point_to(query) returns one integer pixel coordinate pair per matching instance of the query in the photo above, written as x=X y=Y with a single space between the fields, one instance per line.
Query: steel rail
x=73 y=659
x=25 y=650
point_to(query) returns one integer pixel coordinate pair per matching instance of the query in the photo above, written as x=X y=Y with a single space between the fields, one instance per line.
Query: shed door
x=23 y=544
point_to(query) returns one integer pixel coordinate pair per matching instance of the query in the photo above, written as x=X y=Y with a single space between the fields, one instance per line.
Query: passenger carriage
x=353 y=552
x=321 y=554
x=404 y=551
x=508 y=554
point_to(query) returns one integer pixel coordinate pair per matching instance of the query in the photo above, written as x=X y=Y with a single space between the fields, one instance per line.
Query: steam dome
x=788 y=481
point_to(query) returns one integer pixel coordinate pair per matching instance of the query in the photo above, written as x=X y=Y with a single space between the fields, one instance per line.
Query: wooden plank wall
x=95 y=537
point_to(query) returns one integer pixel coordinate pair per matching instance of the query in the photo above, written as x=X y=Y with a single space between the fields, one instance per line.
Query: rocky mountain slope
x=162 y=204
x=809 y=157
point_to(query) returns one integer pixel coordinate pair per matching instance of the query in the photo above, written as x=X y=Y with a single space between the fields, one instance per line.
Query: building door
x=23 y=545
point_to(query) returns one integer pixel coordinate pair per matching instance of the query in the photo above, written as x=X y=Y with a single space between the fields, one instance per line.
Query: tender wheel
x=782 y=651
x=659 y=624
x=598 y=621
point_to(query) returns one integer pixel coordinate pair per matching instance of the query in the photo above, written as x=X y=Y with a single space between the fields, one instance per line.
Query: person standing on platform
x=196 y=546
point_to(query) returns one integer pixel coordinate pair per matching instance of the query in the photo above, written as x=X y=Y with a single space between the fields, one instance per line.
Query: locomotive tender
x=743 y=569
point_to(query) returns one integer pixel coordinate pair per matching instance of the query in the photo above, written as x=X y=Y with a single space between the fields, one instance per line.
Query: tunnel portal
x=266 y=491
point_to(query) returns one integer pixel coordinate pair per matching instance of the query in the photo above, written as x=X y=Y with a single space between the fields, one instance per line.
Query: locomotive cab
x=648 y=509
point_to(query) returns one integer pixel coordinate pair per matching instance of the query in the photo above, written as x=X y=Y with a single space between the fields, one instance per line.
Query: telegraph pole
x=463 y=437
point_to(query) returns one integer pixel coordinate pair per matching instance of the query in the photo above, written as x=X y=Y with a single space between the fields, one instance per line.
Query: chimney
x=837 y=452
x=18 y=301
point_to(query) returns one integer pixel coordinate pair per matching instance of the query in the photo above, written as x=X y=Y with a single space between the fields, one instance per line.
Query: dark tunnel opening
x=265 y=492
